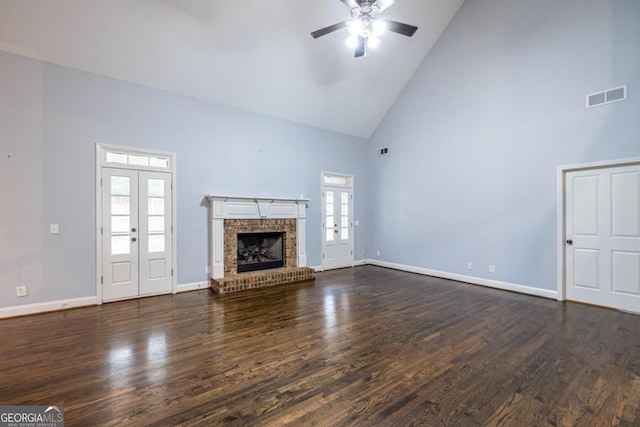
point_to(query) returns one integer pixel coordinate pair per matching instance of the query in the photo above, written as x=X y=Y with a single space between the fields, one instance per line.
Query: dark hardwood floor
x=365 y=346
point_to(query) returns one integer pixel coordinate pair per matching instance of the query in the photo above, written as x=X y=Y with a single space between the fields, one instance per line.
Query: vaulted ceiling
x=254 y=55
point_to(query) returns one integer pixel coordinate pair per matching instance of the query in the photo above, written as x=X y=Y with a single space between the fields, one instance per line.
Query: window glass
x=156 y=206
x=336 y=180
x=120 y=186
x=120 y=205
x=159 y=162
x=156 y=187
x=156 y=243
x=329 y=233
x=116 y=158
x=329 y=196
x=120 y=224
x=120 y=245
x=136 y=160
x=156 y=224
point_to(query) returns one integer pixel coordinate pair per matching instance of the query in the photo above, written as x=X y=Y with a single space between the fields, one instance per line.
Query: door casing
x=101 y=150
x=561 y=177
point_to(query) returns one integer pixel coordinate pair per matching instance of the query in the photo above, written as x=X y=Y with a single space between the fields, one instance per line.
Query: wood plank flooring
x=365 y=347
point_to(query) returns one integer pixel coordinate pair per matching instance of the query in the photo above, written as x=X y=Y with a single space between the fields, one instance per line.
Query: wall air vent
x=607 y=96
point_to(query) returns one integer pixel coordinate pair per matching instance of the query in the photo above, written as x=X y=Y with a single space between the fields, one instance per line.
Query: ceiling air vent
x=607 y=97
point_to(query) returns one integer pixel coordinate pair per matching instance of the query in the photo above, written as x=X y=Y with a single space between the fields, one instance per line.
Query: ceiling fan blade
x=400 y=28
x=351 y=3
x=361 y=49
x=383 y=4
x=329 y=29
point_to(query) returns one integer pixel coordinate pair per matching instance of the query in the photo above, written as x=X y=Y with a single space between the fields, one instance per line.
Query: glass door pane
x=156 y=214
x=329 y=223
x=344 y=215
x=120 y=214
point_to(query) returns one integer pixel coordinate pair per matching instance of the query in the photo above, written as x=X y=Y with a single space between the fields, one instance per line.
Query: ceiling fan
x=365 y=26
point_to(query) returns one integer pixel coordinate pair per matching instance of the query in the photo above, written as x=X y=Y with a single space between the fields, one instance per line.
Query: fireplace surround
x=233 y=216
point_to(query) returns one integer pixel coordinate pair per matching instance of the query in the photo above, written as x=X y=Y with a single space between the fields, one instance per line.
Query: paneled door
x=136 y=233
x=338 y=228
x=603 y=237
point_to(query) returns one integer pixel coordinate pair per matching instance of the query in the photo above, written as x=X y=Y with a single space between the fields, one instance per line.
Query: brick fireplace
x=232 y=217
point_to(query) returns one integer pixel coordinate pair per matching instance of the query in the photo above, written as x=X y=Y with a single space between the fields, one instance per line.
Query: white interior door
x=137 y=235
x=338 y=228
x=603 y=237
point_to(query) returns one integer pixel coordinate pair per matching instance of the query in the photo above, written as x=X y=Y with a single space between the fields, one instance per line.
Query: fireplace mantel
x=257 y=207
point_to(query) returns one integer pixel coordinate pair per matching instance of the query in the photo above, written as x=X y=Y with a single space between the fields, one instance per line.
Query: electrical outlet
x=492 y=269
x=54 y=228
x=21 y=291
x=364 y=253
x=469 y=266
x=378 y=253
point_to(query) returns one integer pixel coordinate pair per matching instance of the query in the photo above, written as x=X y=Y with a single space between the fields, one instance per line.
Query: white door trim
x=561 y=211
x=101 y=149
x=351 y=187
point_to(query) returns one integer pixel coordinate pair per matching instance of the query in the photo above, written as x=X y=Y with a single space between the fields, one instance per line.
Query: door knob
x=133 y=230
x=336 y=231
x=569 y=242
x=133 y=239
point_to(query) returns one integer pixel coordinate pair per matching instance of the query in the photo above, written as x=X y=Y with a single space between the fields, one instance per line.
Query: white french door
x=136 y=233
x=337 y=239
x=602 y=219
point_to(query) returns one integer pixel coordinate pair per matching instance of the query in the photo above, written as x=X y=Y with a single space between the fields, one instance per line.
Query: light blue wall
x=52 y=116
x=476 y=136
x=474 y=141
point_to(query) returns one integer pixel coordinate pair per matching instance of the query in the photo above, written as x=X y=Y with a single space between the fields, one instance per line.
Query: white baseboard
x=506 y=286
x=43 y=307
x=186 y=287
x=356 y=263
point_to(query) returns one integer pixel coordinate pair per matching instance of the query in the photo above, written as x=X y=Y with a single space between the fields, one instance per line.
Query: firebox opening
x=260 y=251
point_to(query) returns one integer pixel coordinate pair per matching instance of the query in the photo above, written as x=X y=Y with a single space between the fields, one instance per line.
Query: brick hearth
x=261 y=279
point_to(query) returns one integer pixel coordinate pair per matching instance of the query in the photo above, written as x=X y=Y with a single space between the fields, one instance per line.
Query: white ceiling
x=254 y=55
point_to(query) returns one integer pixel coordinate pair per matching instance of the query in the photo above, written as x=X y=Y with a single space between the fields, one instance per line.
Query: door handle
x=133 y=239
x=336 y=231
x=133 y=230
x=569 y=242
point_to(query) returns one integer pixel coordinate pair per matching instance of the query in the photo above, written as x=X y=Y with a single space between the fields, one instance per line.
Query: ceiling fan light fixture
x=352 y=41
x=355 y=27
x=379 y=27
x=365 y=27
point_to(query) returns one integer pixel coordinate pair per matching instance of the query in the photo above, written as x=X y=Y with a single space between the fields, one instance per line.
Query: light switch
x=54 y=229
x=357 y=222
